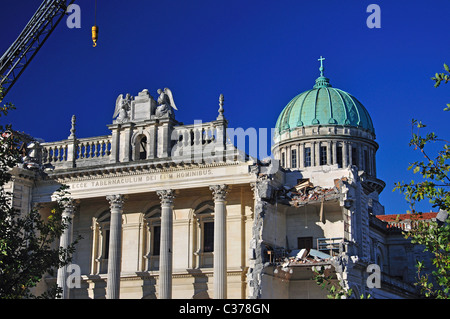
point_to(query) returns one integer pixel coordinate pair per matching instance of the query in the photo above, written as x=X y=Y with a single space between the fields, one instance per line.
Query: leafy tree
x=27 y=241
x=334 y=288
x=434 y=185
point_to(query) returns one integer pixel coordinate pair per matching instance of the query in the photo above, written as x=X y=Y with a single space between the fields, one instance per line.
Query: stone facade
x=168 y=210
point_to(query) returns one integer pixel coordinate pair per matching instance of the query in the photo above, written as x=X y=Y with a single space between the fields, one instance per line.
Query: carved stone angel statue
x=123 y=106
x=165 y=103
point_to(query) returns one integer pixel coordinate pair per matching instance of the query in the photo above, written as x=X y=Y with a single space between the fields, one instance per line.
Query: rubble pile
x=315 y=194
x=298 y=257
x=305 y=192
x=301 y=256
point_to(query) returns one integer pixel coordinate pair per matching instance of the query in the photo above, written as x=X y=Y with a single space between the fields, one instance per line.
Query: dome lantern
x=322 y=81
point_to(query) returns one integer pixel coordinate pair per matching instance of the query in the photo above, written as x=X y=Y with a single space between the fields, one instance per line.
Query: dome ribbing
x=324 y=105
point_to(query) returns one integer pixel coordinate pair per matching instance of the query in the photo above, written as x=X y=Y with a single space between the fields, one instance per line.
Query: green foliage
x=325 y=280
x=442 y=77
x=434 y=186
x=435 y=182
x=27 y=241
x=436 y=240
x=27 y=249
x=336 y=290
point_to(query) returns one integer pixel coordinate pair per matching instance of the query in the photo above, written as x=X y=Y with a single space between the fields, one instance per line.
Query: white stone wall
x=186 y=280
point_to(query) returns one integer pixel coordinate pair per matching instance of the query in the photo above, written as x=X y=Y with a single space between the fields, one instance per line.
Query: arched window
x=139 y=147
x=204 y=234
x=153 y=238
x=143 y=148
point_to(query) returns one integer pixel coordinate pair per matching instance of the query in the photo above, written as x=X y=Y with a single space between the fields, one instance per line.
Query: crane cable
x=95 y=27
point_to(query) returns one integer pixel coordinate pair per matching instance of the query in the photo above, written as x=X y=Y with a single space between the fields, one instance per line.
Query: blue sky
x=259 y=54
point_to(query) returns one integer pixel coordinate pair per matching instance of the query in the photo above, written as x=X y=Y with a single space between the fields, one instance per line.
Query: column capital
x=166 y=196
x=219 y=191
x=116 y=201
x=69 y=205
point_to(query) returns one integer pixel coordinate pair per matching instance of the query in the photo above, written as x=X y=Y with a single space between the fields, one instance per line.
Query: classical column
x=350 y=155
x=360 y=157
x=64 y=242
x=289 y=156
x=115 y=246
x=334 y=152
x=313 y=153
x=329 y=153
x=344 y=154
x=220 y=241
x=301 y=157
x=374 y=163
x=318 y=145
x=371 y=161
x=165 y=255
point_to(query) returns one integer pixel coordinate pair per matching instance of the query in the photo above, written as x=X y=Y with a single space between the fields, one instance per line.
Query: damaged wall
x=305 y=221
x=258 y=252
x=287 y=213
x=262 y=192
x=277 y=228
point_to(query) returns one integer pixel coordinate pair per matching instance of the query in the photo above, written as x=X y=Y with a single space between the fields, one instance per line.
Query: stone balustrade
x=198 y=142
x=201 y=139
x=55 y=152
x=94 y=148
x=83 y=152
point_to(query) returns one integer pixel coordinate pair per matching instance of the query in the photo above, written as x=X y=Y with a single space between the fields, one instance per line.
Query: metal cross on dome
x=321 y=65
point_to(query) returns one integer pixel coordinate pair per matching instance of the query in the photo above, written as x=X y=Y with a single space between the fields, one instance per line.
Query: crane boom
x=14 y=61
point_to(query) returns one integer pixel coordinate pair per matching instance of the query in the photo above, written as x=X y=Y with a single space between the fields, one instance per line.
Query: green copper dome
x=324 y=105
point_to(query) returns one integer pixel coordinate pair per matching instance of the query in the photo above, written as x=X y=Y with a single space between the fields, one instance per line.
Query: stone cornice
x=324 y=138
x=132 y=180
x=324 y=133
x=128 y=169
x=22 y=173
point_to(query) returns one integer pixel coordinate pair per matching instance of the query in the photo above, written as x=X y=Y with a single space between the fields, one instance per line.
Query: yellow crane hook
x=95 y=27
x=94 y=35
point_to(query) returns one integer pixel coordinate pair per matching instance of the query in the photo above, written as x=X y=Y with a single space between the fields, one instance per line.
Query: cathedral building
x=172 y=210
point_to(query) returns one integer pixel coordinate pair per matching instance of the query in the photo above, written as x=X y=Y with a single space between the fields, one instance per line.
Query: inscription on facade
x=141 y=179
